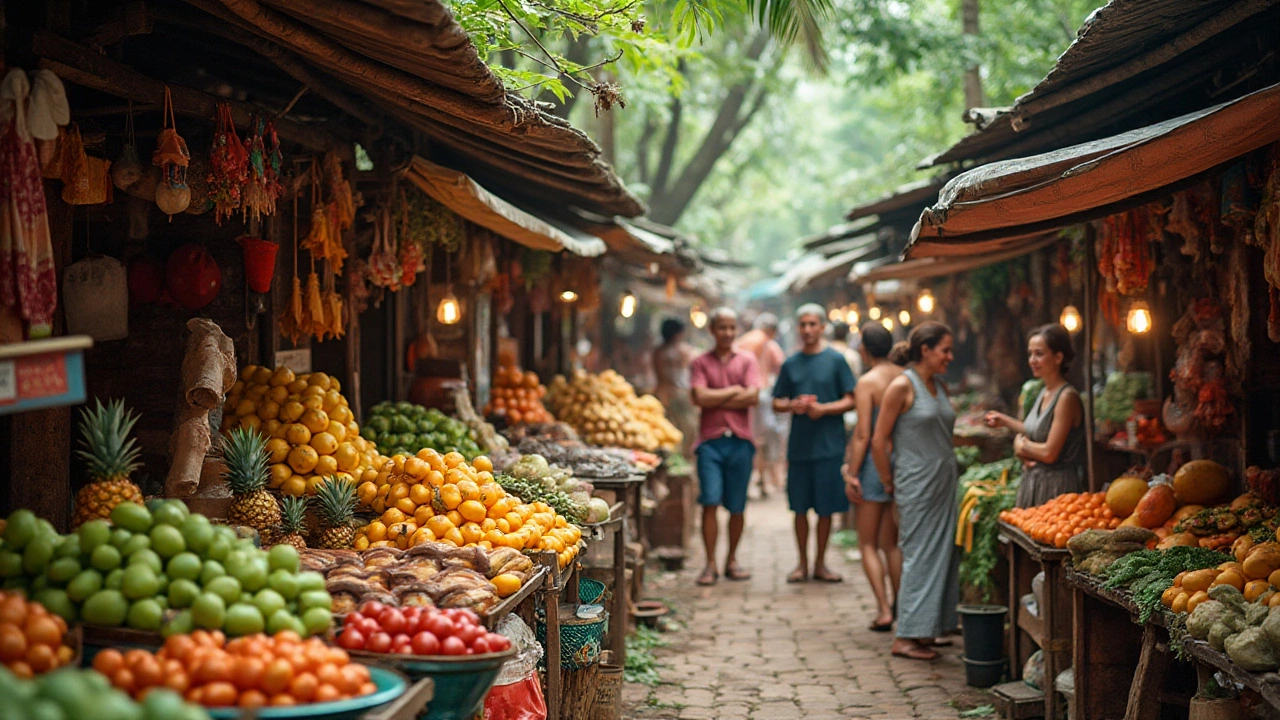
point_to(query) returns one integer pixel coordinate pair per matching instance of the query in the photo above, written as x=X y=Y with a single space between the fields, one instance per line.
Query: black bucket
x=983 y=673
x=983 y=632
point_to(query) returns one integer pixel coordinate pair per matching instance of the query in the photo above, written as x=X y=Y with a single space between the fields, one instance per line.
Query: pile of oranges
x=31 y=637
x=517 y=396
x=251 y=671
x=1062 y=518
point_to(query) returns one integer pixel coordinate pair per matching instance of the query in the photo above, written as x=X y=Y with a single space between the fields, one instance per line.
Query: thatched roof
x=386 y=67
x=1133 y=63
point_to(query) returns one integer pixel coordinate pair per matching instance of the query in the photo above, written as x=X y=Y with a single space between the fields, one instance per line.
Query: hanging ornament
x=228 y=167
x=291 y=319
x=172 y=157
x=263 y=188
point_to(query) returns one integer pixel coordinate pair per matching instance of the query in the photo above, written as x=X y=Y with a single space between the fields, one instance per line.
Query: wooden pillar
x=1090 y=315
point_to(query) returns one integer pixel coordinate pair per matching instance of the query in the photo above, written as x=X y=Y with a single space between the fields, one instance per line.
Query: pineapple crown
x=293 y=515
x=104 y=435
x=245 y=454
x=337 y=500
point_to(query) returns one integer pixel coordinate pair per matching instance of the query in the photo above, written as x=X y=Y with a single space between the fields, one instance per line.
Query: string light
x=568 y=296
x=834 y=314
x=627 y=305
x=904 y=317
x=1070 y=319
x=925 y=301
x=449 y=311
x=698 y=317
x=851 y=316
x=1139 y=320
x=887 y=323
x=874 y=313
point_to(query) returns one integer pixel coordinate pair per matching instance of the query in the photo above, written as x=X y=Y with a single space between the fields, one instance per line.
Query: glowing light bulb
x=627 y=305
x=851 y=316
x=568 y=296
x=887 y=323
x=1139 y=320
x=449 y=312
x=874 y=313
x=904 y=317
x=1070 y=319
x=925 y=302
x=698 y=317
x=834 y=314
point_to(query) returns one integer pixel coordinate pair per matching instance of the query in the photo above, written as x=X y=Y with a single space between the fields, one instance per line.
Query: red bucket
x=259 y=262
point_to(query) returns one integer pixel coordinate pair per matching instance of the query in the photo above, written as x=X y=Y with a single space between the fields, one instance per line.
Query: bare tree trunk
x=642 y=146
x=669 y=143
x=973 y=96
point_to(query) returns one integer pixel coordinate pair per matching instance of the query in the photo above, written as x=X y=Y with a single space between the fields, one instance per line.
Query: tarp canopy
x=468 y=199
x=930 y=267
x=833 y=267
x=984 y=209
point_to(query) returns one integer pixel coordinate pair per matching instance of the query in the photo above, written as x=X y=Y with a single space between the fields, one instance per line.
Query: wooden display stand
x=1051 y=629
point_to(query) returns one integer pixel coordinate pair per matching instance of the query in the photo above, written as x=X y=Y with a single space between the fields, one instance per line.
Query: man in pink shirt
x=725 y=383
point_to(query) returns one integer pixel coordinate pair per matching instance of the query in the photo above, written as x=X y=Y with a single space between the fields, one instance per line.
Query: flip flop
x=736 y=573
x=708 y=578
x=798 y=576
x=916 y=653
x=881 y=627
x=937 y=642
x=827 y=576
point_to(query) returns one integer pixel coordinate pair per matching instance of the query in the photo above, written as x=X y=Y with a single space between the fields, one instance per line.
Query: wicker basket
x=608 y=704
x=592 y=592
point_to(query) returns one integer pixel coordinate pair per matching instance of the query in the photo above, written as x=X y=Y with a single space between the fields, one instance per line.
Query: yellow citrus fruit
x=472 y=511
x=450 y=496
x=370 y=475
x=416 y=468
x=296 y=387
x=471 y=533
x=506 y=584
x=337 y=430
x=342 y=414
x=315 y=420
x=491 y=493
x=324 y=443
x=366 y=492
x=399 y=491
x=296 y=486
x=502 y=525
x=246 y=375
x=303 y=459
x=269 y=410
x=251 y=422
x=313 y=402
x=313 y=484
x=297 y=434
x=347 y=457
x=281 y=377
x=514 y=520
x=423 y=535
x=270 y=428
x=332 y=401
x=392 y=516
x=353 y=428
x=326 y=465
x=454 y=538
x=455 y=517
x=278 y=395
x=261 y=376
x=422 y=514
x=438 y=525
x=407 y=505
x=277 y=450
x=469 y=490
x=453 y=459
x=320 y=380
x=435 y=478
x=245 y=407
x=482 y=462
x=279 y=473
x=420 y=494
x=377 y=531
x=291 y=411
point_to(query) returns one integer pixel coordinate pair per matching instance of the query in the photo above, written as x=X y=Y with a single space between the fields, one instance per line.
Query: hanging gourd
x=228 y=167
x=172 y=157
x=264 y=188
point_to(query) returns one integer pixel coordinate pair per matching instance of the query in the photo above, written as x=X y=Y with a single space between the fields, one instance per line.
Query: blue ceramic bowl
x=461 y=681
x=391 y=685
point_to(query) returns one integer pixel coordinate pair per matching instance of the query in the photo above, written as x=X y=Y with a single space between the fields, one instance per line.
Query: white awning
x=469 y=199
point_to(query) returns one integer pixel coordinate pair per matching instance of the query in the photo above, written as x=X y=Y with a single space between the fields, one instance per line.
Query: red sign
x=42 y=376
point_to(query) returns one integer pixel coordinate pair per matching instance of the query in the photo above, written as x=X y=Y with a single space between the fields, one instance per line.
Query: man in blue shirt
x=815 y=385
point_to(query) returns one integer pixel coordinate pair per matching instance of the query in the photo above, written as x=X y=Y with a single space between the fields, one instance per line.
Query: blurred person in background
x=769 y=429
x=671 y=362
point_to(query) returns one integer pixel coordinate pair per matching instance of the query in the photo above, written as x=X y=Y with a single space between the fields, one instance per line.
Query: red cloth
x=709 y=371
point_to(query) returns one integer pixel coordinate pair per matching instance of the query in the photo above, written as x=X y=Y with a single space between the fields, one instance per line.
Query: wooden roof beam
x=82 y=66
x=124 y=21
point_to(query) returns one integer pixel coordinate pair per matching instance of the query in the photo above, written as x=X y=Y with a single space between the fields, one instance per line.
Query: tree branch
x=577 y=53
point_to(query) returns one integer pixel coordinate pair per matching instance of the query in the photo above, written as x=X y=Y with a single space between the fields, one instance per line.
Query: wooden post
x=618 y=618
x=1144 y=697
x=1090 y=312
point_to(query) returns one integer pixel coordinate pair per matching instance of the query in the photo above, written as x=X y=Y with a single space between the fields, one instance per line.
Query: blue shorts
x=724 y=471
x=817 y=485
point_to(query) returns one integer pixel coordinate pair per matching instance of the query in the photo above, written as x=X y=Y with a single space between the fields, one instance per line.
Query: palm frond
x=797 y=22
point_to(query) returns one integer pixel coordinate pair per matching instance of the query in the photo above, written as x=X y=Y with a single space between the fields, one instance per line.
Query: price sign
x=8 y=381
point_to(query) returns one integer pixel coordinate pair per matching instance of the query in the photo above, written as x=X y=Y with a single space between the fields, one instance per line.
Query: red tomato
x=498 y=643
x=393 y=621
x=453 y=646
x=468 y=633
x=373 y=608
x=481 y=645
x=424 y=643
x=405 y=649
x=379 y=643
x=461 y=616
x=401 y=639
x=439 y=625
x=351 y=639
x=369 y=627
x=411 y=615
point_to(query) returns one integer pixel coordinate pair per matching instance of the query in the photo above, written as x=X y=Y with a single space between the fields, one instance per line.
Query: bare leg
x=820 y=571
x=731 y=569
x=760 y=472
x=889 y=544
x=710 y=531
x=801 y=573
x=869 y=515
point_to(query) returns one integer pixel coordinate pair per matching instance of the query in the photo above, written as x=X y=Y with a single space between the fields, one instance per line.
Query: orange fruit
x=303 y=459
x=220 y=694
x=252 y=699
x=303 y=688
x=473 y=510
x=317 y=421
x=324 y=443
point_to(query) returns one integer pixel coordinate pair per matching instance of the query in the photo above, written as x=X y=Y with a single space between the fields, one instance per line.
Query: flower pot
x=1214 y=709
x=983 y=631
x=983 y=673
x=259 y=263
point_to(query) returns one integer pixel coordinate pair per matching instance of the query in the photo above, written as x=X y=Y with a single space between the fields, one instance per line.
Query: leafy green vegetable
x=977 y=564
x=966 y=456
x=1148 y=573
x=531 y=491
x=1115 y=404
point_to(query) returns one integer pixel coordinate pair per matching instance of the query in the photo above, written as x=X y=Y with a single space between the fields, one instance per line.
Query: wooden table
x=555 y=584
x=1049 y=631
x=618 y=523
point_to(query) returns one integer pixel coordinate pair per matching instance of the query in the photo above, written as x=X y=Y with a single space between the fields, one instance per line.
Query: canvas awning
x=833 y=267
x=930 y=267
x=984 y=209
x=467 y=198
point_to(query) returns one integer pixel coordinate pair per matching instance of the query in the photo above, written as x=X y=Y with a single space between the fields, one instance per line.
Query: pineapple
x=293 y=526
x=336 y=498
x=245 y=453
x=111 y=456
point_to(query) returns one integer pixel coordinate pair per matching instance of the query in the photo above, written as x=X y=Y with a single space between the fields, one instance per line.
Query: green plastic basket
x=580 y=640
x=591 y=592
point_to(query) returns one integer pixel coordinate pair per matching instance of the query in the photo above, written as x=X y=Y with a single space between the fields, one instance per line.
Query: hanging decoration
x=328 y=220
x=192 y=277
x=1070 y=319
x=172 y=157
x=1199 y=382
x=291 y=320
x=127 y=170
x=449 y=312
x=265 y=159
x=228 y=166
x=336 y=328
x=384 y=264
x=85 y=180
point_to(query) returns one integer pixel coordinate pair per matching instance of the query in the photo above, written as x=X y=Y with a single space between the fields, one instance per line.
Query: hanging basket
x=259 y=262
x=95 y=296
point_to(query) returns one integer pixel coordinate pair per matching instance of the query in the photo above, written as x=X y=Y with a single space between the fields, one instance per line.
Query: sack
x=95 y=297
x=517 y=693
x=86 y=180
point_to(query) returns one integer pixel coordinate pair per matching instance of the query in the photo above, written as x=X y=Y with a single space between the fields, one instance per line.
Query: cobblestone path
x=765 y=649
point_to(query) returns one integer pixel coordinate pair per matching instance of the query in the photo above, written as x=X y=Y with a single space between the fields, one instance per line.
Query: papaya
x=1124 y=494
x=1156 y=506
x=1200 y=481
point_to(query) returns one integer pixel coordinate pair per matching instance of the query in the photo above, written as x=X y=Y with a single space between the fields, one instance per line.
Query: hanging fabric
x=28 y=280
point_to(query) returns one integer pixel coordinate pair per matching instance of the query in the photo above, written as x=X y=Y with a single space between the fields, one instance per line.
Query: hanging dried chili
x=1133 y=253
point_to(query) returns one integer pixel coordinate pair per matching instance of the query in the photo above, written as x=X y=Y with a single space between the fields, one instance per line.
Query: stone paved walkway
x=764 y=649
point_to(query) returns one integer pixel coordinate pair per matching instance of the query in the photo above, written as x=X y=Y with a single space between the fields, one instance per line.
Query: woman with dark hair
x=873 y=514
x=1051 y=439
x=671 y=361
x=912 y=450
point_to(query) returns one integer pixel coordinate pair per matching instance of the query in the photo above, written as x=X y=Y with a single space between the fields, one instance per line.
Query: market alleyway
x=766 y=649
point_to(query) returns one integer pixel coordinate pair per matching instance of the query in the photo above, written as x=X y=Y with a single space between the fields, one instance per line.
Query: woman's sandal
x=881 y=627
x=798 y=576
x=736 y=573
x=825 y=575
x=916 y=653
x=708 y=577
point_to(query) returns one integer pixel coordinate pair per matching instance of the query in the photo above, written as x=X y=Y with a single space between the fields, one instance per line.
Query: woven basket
x=591 y=592
x=608 y=704
x=580 y=640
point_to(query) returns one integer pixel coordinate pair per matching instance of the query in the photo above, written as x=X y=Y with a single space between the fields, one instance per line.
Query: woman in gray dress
x=1051 y=439
x=912 y=449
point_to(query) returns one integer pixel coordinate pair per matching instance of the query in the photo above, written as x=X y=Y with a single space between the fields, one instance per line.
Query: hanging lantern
x=568 y=296
x=1139 y=320
x=627 y=304
x=698 y=317
x=925 y=302
x=874 y=313
x=851 y=316
x=834 y=314
x=887 y=323
x=1070 y=319
x=449 y=312
x=904 y=317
